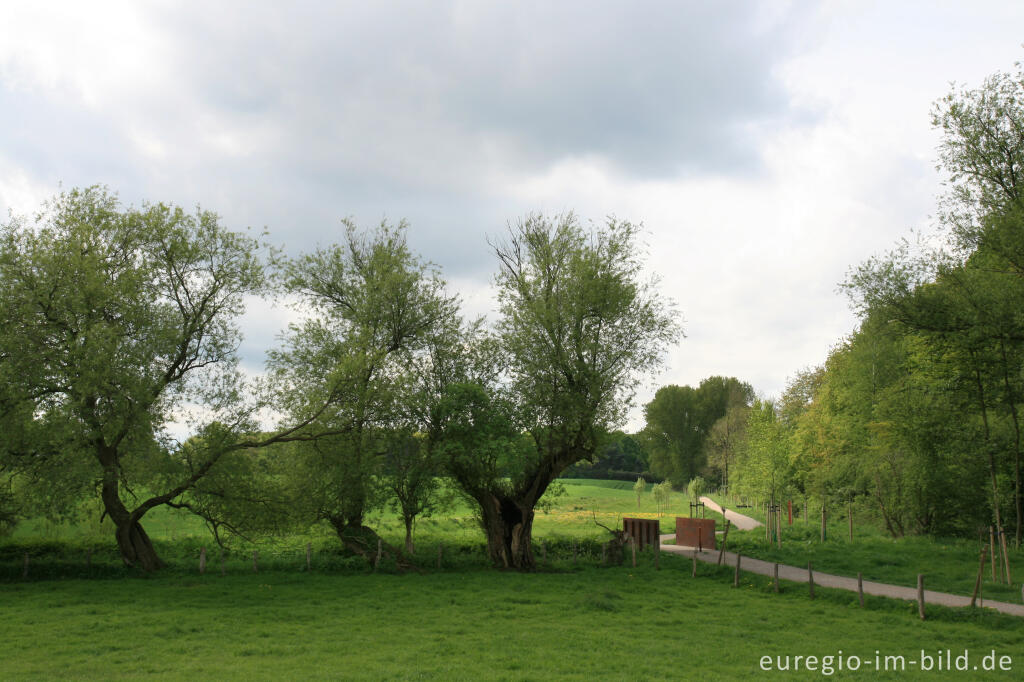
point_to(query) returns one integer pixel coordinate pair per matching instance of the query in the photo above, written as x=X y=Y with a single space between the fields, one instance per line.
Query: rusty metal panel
x=690 y=532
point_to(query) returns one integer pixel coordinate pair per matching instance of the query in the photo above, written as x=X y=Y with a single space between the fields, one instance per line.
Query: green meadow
x=571 y=619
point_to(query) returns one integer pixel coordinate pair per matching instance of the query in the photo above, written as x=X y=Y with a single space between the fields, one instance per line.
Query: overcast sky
x=766 y=147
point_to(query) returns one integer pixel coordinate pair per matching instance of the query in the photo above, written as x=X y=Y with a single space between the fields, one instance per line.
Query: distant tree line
x=918 y=413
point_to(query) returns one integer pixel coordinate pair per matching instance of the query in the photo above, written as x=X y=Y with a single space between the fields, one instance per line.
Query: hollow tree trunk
x=508 y=525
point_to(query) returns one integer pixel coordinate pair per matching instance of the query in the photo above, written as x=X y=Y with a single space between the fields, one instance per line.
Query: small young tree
x=639 y=487
x=662 y=495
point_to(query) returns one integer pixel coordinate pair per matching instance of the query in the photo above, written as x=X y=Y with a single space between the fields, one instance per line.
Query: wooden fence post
x=736 y=575
x=440 y=549
x=920 y=595
x=810 y=578
x=574 y=550
x=725 y=539
x=255 y=561
x=202 y=560
x=775 y=577
x=860 y=589
x=309 y=557
x=376 y=559
x=223 y=569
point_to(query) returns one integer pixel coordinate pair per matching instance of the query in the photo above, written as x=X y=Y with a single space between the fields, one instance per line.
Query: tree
x=639 y=487
x=411 y=476
x=966 y=296
x=578 y=327
x=765 y=457
x=376 y=308
x=662 y=494
x=115 y=322
x=679 y=420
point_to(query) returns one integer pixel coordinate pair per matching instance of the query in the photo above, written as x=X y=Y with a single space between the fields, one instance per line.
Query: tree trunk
x=409 y=548
x=508 y=525
x=136 y=547
x=132 y=541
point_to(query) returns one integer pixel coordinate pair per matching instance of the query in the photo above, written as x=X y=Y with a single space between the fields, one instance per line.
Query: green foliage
x=662 y=494
x=697 y=487
x=377 y=309
x=578 y=328
x=115 y=321
x=679 y=420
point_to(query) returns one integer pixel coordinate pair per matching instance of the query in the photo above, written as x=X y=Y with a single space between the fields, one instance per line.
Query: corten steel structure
x=695 y=532
x=643 y=530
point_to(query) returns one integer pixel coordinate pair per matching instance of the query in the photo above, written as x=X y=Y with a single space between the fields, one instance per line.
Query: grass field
x=569 y=620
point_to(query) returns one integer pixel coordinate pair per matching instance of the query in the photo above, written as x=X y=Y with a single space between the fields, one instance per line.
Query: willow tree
x=118 y=322
x=579 y=325
x=375 y=308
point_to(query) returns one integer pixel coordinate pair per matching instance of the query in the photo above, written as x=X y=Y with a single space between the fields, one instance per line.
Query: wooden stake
x=850 y=515
x=920 y=595
x=725 y=539
x=1006 y=555
x=223 y=570
x=775 y=577
x=736 y=575
x=255 y=561
x=700 y=539
x=823 y=520
x=810 y=578
x=860 y=589
x=992 y=551
x=376 y=560
x=694 y=563
x=202 y=560
x=981 y=571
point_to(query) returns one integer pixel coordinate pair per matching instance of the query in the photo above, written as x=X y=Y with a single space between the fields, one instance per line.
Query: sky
x=766 y=147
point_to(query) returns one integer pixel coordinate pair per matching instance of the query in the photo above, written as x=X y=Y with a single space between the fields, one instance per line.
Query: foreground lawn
x=587 y=623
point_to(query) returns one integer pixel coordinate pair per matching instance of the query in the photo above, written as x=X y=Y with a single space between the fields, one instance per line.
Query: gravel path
x=799 y=575
x=739 y=520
